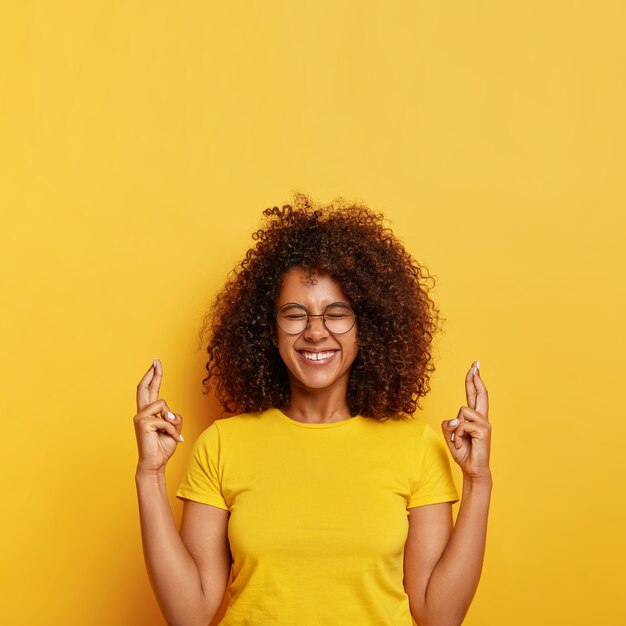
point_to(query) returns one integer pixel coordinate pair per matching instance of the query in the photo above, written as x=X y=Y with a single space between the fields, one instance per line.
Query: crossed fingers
x=477 y=409
x=149 y=386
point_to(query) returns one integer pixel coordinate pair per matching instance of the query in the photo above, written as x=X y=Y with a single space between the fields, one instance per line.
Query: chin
x=315 y=384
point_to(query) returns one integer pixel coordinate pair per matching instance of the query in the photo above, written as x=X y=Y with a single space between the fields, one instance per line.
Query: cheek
x=352 y=348
x=284 y=349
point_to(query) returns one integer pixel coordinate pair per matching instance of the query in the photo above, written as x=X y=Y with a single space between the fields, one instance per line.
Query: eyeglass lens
x=338 y=318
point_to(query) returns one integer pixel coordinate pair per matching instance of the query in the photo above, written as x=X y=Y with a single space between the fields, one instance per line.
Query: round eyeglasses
x=294 y=319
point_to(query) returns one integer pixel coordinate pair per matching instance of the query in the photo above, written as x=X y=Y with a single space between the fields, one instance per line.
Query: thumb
x=448 y=427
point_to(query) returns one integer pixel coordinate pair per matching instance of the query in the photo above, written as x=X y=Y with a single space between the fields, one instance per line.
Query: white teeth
x=316 y=356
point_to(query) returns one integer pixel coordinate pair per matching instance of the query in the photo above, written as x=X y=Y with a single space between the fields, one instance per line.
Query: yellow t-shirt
x=318 y=513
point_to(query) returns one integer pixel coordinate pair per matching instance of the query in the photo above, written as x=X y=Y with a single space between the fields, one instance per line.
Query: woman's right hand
x=157 y=433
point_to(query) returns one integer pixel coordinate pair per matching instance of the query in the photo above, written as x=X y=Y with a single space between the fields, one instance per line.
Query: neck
x=317 y=406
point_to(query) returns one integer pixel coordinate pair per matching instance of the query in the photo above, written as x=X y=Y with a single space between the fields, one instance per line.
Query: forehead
x=315 y=288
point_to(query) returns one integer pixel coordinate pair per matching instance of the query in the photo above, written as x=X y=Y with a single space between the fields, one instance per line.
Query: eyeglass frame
x=310 y=315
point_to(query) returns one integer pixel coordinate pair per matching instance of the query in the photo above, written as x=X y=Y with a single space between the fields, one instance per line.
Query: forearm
x=455 y=578
x=173 y=573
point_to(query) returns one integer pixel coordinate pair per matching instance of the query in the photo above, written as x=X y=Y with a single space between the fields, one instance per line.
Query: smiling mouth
x=315 y=358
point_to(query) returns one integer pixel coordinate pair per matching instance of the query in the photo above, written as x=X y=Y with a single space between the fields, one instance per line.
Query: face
x=314 y=296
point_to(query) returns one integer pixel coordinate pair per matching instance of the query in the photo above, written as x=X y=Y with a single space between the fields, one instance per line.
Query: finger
x=155 y=409
x=448 y=427
x=476 y=431
x=470 y=387
x=482 y=397
x=175 y=419
x=159 y=424
x=155 y=383
x=160 y=410
x=458 y=434
x=470 y=415
x=143 y=391
x=454 y=429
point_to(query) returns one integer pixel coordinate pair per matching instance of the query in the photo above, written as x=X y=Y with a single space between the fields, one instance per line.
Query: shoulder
x=401 y=434
x=231 y=426
x=241 y=421
x=406 y=426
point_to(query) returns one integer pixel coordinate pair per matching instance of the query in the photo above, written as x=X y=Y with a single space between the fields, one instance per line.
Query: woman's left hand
x=469 y=435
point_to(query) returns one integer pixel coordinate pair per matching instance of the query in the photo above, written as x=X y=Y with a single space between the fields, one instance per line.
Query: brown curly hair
x=396 y=317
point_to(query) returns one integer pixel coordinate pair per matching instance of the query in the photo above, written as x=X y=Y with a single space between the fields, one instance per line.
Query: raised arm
x=443 y=562
x=188 y=577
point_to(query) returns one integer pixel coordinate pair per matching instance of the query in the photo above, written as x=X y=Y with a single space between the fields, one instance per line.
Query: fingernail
x=154 y=363
x=477 y=365
x=181 y=437
x=454 y=422
x=171 y=415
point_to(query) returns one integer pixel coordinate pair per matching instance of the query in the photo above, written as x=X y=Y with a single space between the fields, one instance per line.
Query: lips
x=317 y=357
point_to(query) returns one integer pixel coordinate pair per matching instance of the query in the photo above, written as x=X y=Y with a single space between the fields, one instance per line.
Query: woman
x=330 y=502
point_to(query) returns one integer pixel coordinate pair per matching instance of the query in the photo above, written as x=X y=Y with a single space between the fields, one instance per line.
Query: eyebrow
x=297 y=305
x=291 y=305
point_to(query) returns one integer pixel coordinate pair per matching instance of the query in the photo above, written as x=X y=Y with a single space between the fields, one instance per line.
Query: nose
x=316 y=329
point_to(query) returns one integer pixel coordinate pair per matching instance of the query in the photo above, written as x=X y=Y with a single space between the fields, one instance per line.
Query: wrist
x=142 y=473
x=478 y=480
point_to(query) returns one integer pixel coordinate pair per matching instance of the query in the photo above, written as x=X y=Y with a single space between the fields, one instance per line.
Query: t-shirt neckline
x=294 y=422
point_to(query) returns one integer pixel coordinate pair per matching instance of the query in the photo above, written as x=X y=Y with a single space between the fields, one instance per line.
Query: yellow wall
x=140 y=143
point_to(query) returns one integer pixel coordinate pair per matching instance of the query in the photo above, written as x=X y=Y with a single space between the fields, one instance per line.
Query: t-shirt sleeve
x=201 y=482
x=433 y=481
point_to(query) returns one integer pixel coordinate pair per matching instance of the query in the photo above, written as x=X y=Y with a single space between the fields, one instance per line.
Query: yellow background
x=140 y=143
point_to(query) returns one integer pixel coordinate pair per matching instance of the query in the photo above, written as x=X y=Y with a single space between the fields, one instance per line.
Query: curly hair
x=388 y=290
